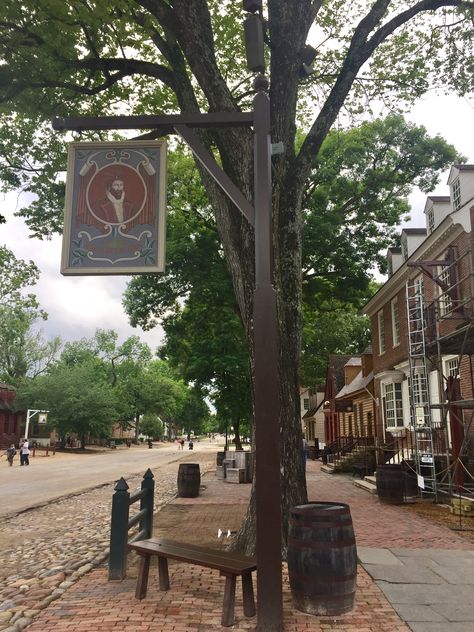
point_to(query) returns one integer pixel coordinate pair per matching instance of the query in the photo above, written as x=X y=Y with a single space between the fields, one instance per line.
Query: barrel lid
x=320 y=507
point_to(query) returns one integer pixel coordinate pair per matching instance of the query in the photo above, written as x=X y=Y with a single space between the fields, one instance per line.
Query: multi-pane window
x=456 y=194
x=381 y=328
x=419 y=389
x=306 y=403
x=395 y=323
x=445 y=302
x=452 y=367
x=393 y=405
x=431 y=220
x=404 y=247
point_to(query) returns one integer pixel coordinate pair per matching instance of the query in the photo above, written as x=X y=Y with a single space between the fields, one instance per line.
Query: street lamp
x=42 y=418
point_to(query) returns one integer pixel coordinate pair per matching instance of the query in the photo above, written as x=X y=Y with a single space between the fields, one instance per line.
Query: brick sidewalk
x=194 y=602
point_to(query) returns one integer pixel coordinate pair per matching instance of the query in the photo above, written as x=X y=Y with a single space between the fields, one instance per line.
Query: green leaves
x=357 y=196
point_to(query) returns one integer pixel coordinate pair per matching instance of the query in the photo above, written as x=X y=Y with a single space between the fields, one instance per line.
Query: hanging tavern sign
x=114 y=217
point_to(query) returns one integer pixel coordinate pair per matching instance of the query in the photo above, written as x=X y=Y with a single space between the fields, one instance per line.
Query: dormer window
x=431 y=220
x=404 y=247
x=456 y=194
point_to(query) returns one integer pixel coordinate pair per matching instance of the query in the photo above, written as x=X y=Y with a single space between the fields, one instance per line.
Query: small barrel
x=219 y=458
x=390 y=480
x=189 y=479
x=322 y=558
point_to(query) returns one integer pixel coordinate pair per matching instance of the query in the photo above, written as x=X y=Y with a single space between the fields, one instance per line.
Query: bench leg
x=229 y=601
x=247 y=594
x=142 y=579
x=163 y=577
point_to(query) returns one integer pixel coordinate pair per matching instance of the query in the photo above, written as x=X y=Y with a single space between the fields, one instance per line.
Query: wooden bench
x=229 y=564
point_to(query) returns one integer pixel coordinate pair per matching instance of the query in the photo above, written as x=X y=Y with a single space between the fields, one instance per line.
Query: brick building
x=434 y=266
x=11 y=420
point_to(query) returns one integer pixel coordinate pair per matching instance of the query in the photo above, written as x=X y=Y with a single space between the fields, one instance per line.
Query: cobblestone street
x=45 y=550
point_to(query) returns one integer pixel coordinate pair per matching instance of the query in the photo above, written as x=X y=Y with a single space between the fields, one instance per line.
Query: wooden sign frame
x=114 y=215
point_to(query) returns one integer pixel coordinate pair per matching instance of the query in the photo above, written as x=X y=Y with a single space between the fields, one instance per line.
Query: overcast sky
x=77 y=306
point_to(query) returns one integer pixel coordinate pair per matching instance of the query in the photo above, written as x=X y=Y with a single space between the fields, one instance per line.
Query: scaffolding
x=420 y=402
x=440 y=328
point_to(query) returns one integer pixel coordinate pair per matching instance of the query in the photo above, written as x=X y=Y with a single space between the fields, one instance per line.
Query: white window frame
x=393 y=405
x=395 y=322
x=445 y=302
x=451 y=367
x=404 y=244
x=381 y=332
x=305 y=403
x=457 y=194
x=431 y=220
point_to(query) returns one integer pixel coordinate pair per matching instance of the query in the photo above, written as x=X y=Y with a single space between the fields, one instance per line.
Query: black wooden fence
x=121 y=522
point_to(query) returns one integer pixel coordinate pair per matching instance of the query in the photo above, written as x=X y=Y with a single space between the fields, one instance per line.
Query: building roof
x=439 y=198
x=354 y=361
x=358 y=383
x=414 y=231
x=311 y=412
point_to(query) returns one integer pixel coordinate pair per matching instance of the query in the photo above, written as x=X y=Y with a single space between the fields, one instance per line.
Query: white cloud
x=76 y=306
x=452 y=118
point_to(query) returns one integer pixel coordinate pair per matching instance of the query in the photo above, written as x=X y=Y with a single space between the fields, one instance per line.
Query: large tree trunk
x=235 y=146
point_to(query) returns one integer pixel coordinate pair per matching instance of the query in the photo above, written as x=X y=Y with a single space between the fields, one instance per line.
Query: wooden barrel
x=390 y=480
x=411 y=481
x=219 y=458
x=189 y=479
x=322 y=558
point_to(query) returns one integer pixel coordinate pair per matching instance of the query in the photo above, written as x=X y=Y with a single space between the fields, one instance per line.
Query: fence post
x=146 y=502
x=119 y=531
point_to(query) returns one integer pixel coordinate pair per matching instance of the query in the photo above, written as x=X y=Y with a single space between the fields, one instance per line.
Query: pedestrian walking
x=10 y=454
x=305 y=451
x=25 y=453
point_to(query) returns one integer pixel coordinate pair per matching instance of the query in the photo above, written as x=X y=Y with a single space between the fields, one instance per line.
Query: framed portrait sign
x=114 y=216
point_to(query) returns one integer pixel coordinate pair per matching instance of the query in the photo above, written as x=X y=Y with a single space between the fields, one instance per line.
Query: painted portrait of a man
x=116 y=195
x=115 y=207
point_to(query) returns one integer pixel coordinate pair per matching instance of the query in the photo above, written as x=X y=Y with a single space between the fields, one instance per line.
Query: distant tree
x=151 y=425
x=18 y=275
x=194 y=413
x=334 y=327
x=78 y=398
x=149 y=388
x=23 y=351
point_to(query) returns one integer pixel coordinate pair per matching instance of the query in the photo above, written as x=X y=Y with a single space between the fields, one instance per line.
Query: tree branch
x=360 y=50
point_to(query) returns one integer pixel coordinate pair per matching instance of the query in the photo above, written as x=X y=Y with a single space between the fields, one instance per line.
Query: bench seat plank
x=229 y=564
x=219 y=560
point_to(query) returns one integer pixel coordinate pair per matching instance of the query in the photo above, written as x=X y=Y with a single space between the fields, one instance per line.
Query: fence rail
x=121 y=522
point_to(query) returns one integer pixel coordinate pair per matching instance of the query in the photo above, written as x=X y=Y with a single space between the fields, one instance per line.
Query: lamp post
x=42 y=418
